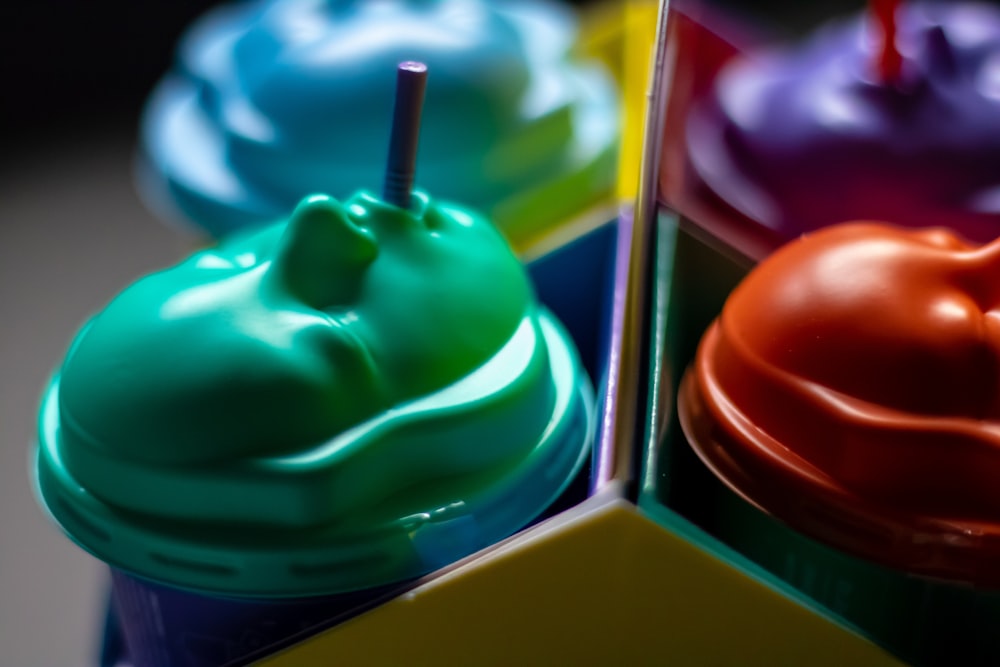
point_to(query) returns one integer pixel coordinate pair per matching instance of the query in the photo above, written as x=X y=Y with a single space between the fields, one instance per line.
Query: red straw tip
x=890 y=61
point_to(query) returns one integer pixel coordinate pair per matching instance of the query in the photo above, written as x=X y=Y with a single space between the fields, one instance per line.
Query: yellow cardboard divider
x=599 y=584
x=639 y=35
x=621 y=34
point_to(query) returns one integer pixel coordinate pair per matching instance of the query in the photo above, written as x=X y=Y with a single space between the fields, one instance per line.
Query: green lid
x=355 y=397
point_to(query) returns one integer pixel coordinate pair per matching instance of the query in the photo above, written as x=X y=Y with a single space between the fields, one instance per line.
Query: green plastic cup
x=275 y=430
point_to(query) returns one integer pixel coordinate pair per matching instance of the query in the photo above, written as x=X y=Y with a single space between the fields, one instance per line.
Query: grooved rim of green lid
x=319 y=561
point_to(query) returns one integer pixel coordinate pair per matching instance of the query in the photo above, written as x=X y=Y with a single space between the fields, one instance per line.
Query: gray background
x=72 y=234
x=73 y=77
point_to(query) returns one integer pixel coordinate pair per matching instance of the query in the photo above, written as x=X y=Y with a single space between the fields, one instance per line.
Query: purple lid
x=806 y=136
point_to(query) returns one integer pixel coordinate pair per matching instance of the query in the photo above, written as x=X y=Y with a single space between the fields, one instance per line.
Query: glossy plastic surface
x=354 y=398
x=850 y=388
x=807 y=135
x=272 y=101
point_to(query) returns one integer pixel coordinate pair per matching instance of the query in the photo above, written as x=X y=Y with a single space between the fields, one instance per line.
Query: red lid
x=851 y=387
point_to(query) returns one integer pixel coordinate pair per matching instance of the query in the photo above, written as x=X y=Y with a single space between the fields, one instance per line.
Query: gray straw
x=411 y=80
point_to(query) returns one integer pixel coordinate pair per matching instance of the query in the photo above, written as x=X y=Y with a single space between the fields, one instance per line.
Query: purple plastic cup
x=169 y=627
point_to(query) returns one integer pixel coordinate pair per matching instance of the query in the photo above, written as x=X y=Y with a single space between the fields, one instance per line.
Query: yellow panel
x=639 y=34
x=621 y=34
x=605 y=586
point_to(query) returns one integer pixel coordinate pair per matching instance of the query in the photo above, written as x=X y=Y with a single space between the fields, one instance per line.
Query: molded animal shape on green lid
x=354 y=397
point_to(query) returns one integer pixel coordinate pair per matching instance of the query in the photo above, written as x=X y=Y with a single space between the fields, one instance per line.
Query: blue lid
x=271 y=101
